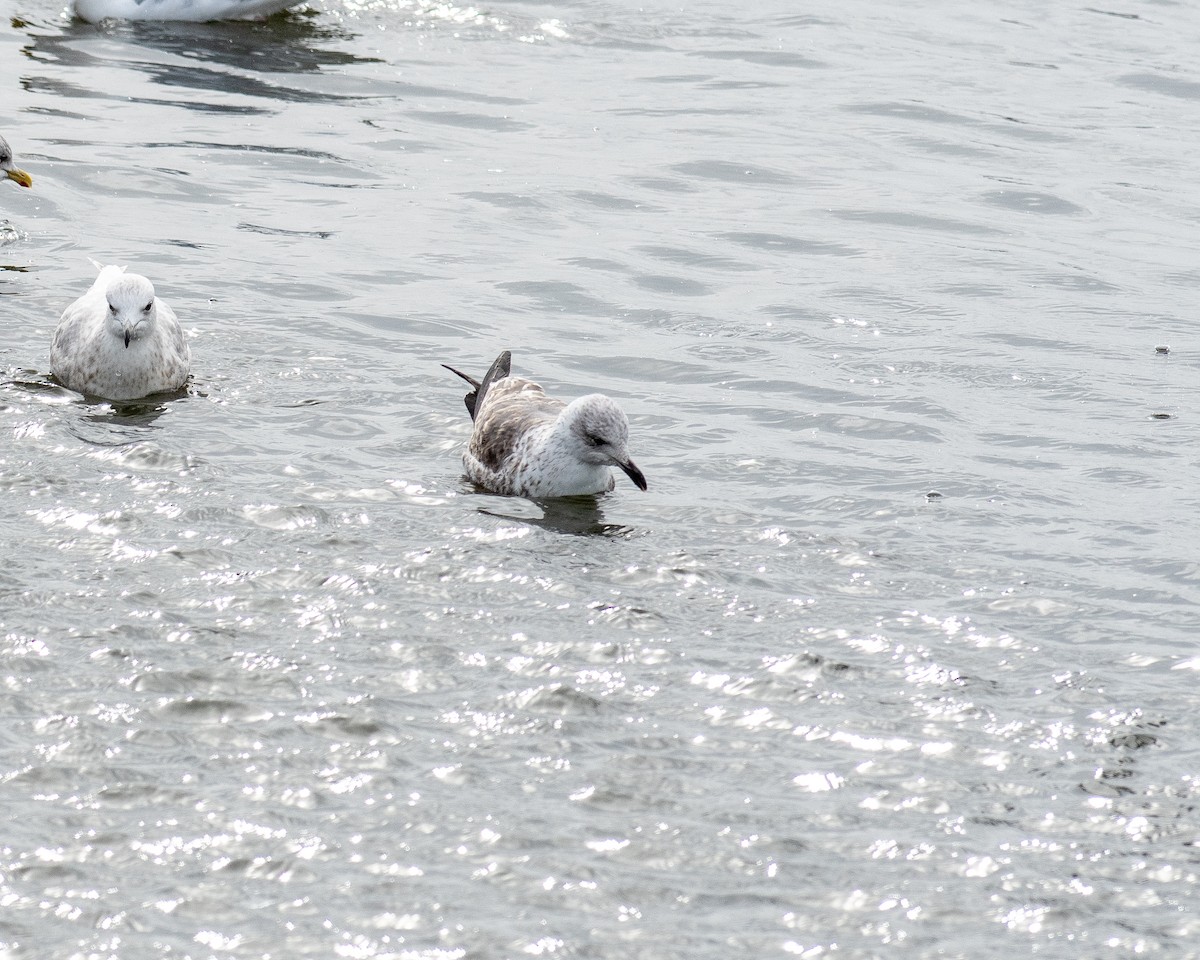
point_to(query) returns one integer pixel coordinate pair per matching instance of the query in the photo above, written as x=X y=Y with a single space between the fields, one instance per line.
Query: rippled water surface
x=897 y=655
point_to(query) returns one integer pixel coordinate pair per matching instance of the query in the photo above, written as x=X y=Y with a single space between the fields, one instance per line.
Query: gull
x=119 y=341
x=13 y=173
x=93 y=11
x=530 y=445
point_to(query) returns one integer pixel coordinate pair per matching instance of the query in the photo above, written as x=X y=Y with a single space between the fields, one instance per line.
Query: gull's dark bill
x=631 y=470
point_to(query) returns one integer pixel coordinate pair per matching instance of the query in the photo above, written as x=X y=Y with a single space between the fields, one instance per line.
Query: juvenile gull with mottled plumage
x=119 y=341
x=531 y=445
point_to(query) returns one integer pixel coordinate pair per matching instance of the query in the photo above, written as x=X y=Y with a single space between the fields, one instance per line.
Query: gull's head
x=10 y=171
x=131 y=307
x=600 y=430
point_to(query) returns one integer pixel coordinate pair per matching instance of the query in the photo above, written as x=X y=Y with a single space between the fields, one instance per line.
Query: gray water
x=897 y=655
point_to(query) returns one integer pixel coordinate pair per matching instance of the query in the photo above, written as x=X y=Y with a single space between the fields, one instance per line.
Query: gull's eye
x=112 y=308
x=594 y=440
x=146 y=308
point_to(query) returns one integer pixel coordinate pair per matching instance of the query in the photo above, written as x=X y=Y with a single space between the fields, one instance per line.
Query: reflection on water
x=575 y=516
x=224 y=57
x=136 y=413
x=74 y=91
x=107 y=413
x=292 y=42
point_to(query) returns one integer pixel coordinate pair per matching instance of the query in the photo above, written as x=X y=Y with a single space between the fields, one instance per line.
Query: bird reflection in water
x=574 y=516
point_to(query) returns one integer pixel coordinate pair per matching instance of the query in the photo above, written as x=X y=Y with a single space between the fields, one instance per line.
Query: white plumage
x=119 y=341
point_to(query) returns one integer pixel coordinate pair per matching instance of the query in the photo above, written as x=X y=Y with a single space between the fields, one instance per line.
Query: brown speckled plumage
x=528 y=444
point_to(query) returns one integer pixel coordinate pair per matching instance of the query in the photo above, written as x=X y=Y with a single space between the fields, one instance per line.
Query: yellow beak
x=20 y=176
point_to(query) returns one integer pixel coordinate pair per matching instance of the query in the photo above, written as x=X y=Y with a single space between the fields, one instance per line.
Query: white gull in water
x=11 y=172
x=197 y=10
x=119 y=341
x=531 y=445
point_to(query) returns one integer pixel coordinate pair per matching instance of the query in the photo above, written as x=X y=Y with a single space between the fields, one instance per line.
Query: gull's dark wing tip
x=472 y=398
x=499 y=369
